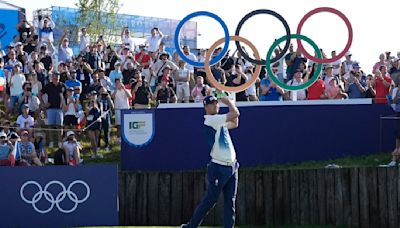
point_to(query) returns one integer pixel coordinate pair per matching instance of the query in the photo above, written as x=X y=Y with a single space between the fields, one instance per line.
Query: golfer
x=222 y=171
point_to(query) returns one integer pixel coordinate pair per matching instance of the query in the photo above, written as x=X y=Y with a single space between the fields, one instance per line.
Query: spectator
x=127 y=39
x=64 y=51
x=84 y=40
x=164 y=61
x=30 y=99
x=115 y=74
x=182 y=79
x=22 y=56
x=110 y=59
x=104 y=80
x=25 y=121
x=145 y=61
x=200 y=91
x=128 y=73
x=74 y=83
x=317 y=90
x=93 y=116
x=32 y=44
x=382 y=62
x=55 y=93
x=94 y=58
x=219 y=74
x=142 y=93
x=107 y=105
x=355 y=86
x=46 y=26
x=16 y=81
x=382 y=83
x=236 y=79
x=176 y=58
x=164 y=93
x=296 y=81
x=24 y=27
x=63 y=71
x=334 y=91
x=157 y=54
x=394 y=71
x=121 y=101
x=347 y=66
x=70 y=109
x=35 y=83
x=279 y=65
x=27 y=151
x=6 y=128
x=154 y=41
x=45 y=58
x=96 y=83
x=83 y=72
x=336 y=65
x=23 y=38
x=166 y=73
x=370 y=93
x=72 y=150
x=270 y=91
x=6 y=156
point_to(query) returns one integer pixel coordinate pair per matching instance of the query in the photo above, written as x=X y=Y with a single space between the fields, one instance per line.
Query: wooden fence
x=353 y=197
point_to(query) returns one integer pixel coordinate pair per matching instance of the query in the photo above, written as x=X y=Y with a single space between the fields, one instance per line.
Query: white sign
x=138 y=129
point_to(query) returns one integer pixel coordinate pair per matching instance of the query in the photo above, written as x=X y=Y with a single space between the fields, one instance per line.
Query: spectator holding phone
x=107 y=105
x=127 y=39
x=27 y=151
x=154 y=41
x=93 y=113
x=72 y=150
x=200 y=90
x=382 y=83
x=46 y=34
x=121 y=97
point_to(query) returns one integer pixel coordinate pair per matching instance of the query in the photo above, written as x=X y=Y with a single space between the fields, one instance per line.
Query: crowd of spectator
x=47 y=84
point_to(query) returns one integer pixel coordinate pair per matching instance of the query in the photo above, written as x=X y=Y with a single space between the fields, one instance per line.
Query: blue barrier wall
x=8 y=21
x=266 y=135
x=58 y=196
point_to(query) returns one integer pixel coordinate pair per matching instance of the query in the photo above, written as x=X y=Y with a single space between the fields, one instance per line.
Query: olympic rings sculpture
x=66 y=192
x=318 y=59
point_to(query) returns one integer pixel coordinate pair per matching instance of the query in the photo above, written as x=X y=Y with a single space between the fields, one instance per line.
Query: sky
x=374 y=22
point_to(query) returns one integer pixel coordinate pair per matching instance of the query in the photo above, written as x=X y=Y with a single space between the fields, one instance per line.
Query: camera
x=29 y=89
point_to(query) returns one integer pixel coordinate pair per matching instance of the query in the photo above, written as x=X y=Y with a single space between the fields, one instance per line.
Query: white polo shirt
x=219 y=139
x=153 y=42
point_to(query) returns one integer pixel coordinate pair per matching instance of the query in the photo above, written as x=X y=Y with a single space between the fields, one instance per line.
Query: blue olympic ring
x=179 y=27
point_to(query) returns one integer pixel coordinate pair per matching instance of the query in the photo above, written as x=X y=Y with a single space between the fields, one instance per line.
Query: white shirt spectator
x=65 y=54
x=16 y=83
x=192 y=57
x=121 y=100
x=84 y=42
x=251 y=91
x=222 y=149
x=25 y=123
x=300 y=94
x=336 y=67
x=153 y=42
x=128 y=41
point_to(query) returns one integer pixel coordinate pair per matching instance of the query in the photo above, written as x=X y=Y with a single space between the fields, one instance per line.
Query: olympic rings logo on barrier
x=318 y=59
x=50 y=198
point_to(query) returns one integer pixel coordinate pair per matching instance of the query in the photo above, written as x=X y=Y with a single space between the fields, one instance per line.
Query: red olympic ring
x=339 y=14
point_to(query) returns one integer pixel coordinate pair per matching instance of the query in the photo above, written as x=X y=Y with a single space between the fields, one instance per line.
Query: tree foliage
x=99 y=17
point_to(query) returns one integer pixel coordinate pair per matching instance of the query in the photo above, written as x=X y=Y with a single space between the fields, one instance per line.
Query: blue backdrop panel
x=266 y=135
x=54 y=207
x=8 y=21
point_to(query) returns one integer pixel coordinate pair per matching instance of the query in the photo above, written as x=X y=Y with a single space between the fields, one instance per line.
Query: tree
x=99 y=17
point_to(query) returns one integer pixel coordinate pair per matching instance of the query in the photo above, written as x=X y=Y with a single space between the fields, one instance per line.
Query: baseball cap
x=94 y=92
x=24 y=133
x=18 y=43
x=329 y=65
x=209 y=100
x=3 y=135
x=24 y=106
x=14 y=135
x=356 y=65
x=348 y=53
x=69 y=133
x=395 y=59
x=70 y=89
